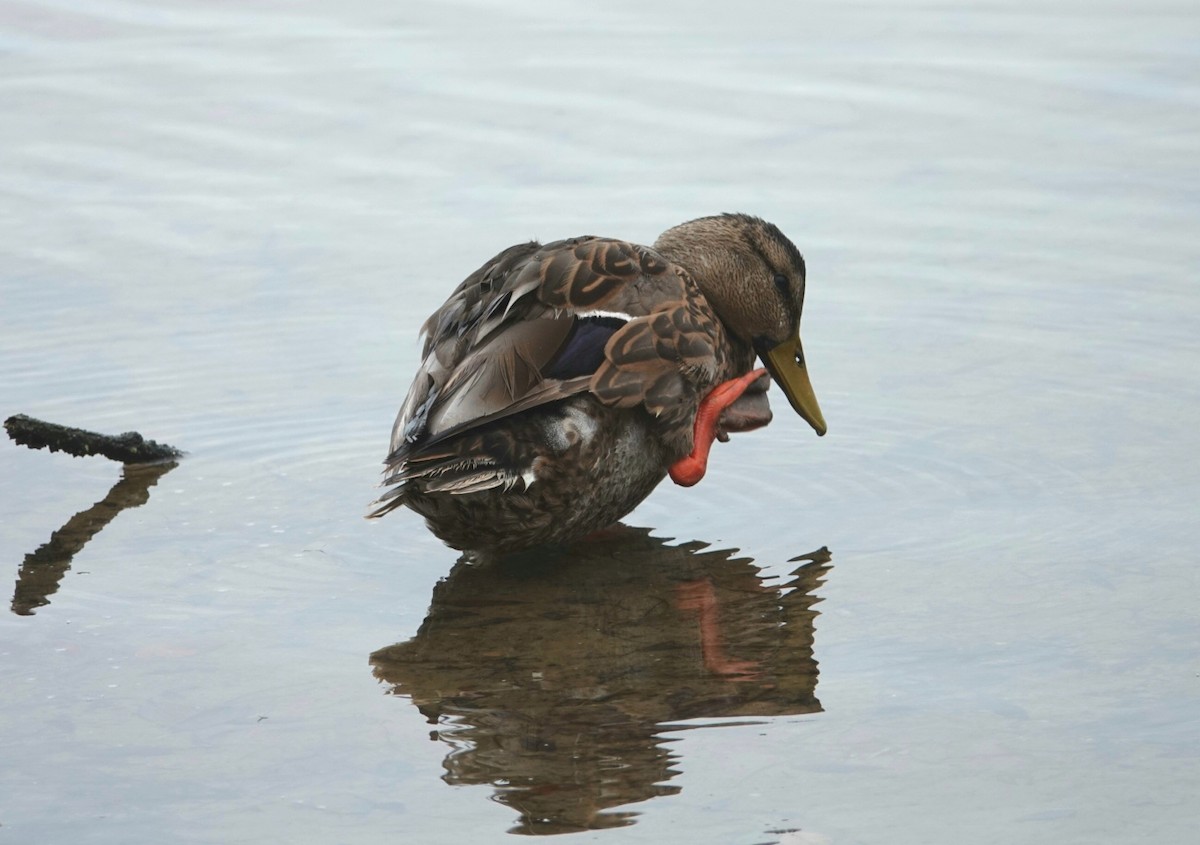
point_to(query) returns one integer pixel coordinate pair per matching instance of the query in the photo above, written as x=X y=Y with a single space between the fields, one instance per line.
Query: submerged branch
x=129 y=448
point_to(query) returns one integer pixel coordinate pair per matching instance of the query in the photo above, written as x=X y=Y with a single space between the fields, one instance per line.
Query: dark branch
x=129 y=448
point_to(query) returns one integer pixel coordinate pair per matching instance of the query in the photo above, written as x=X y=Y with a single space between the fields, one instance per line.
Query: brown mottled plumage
x=560 y=382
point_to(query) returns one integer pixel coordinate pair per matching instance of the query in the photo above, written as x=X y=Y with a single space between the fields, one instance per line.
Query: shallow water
x=222 y=226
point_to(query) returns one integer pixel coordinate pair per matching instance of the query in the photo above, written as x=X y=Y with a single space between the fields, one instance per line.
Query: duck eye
x=781 y=282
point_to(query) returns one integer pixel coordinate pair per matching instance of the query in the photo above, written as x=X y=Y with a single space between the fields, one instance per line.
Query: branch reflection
x=552 y=677
x=43 y=569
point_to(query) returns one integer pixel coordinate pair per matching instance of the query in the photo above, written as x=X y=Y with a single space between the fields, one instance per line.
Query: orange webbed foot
x=690 y=469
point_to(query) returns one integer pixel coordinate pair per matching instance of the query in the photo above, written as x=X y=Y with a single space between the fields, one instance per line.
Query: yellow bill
x=786 y=365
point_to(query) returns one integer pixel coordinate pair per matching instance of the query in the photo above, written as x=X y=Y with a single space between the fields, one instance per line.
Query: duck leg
x=690 y=469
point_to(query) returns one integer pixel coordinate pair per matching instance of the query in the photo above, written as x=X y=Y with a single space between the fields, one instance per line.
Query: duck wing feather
x=537 y=324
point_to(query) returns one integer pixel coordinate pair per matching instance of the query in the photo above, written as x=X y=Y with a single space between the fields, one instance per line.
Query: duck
x=560 y=383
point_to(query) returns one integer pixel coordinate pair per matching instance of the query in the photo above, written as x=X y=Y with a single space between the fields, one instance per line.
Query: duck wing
x=537 y=324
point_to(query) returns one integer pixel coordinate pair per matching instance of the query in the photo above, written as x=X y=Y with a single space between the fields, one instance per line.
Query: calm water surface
x=968 y=614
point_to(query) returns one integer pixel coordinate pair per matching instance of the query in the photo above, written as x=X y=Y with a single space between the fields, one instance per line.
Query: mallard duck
x=560 y=383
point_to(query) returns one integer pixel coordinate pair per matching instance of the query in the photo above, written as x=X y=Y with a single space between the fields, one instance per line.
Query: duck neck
x=716 y=271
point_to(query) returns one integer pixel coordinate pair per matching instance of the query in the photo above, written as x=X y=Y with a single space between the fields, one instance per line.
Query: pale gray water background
x=221 y=224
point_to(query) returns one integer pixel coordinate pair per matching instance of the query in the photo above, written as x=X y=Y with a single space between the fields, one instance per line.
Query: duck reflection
x=552 y=676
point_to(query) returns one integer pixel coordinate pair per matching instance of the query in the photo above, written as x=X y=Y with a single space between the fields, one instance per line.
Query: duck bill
x=786 y=365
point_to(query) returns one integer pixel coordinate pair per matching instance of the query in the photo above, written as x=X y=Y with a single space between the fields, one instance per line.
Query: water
x=222 y=226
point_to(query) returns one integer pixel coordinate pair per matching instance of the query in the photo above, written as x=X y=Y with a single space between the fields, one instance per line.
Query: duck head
x=753 y=277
